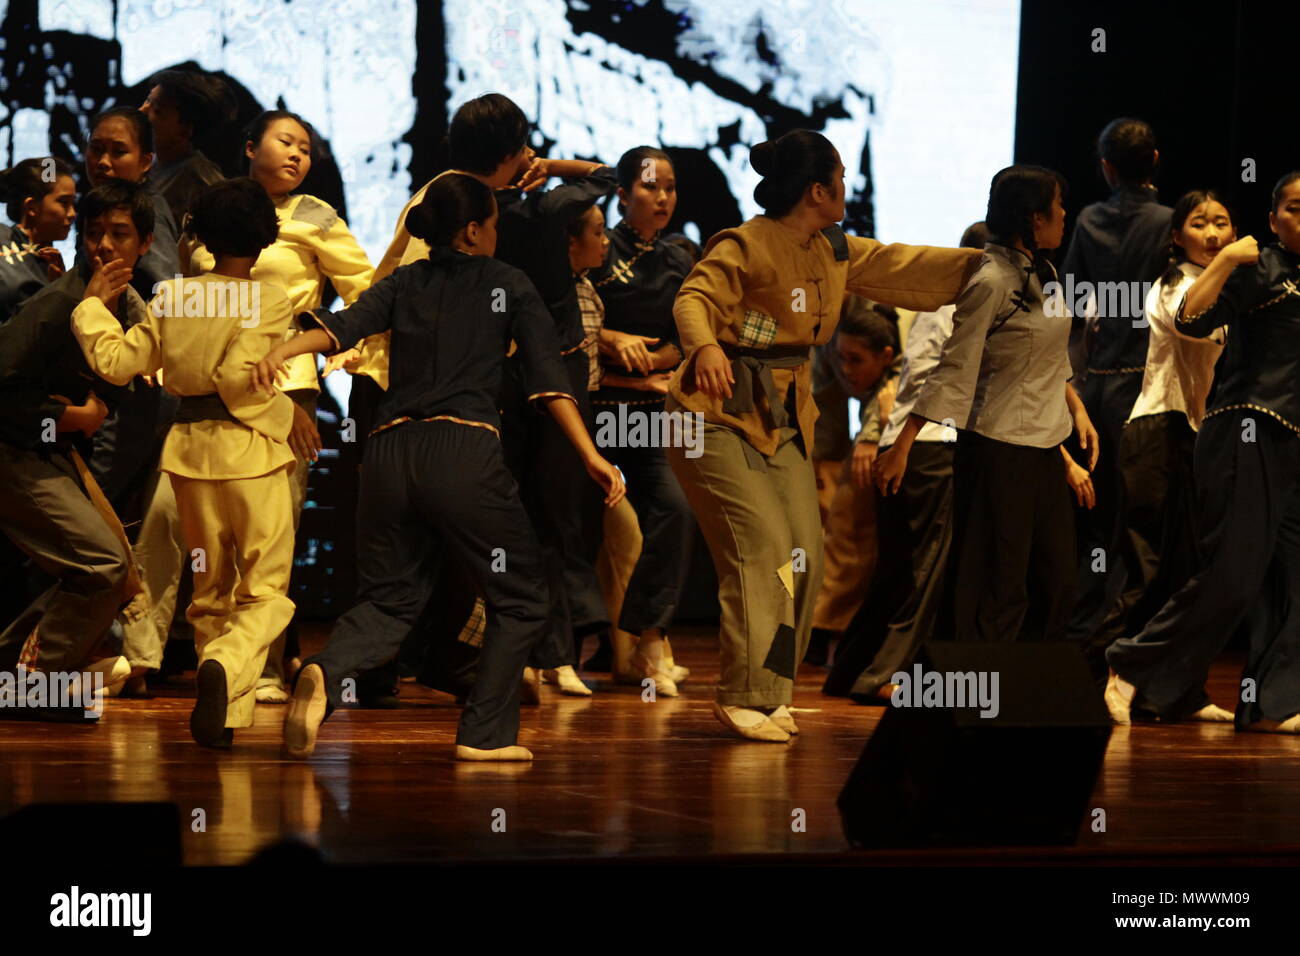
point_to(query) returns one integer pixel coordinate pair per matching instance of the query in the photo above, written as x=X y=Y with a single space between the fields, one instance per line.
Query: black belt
x=752 y=370
x=203 y=408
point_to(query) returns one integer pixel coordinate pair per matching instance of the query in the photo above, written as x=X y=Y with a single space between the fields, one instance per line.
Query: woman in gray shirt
x=1003 y=382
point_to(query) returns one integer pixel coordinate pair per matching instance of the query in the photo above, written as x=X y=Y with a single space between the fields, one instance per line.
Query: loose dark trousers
x=1109 y=400
x=1246 y=495
x=1013 y=550
x=554 y=490
x=45 y=512
x=1157 y=459
x=906 y=593
x=425 y=487
x=667 y=530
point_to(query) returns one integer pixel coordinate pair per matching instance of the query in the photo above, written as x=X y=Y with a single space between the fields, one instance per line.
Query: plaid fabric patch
x=758 y=330
x=593 y=320
x=471 y=632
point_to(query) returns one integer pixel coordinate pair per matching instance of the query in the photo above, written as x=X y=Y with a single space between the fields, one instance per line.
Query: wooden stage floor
x=613 y=777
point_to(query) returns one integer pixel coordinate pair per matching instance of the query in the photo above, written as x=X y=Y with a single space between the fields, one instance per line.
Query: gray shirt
x=1003 y=371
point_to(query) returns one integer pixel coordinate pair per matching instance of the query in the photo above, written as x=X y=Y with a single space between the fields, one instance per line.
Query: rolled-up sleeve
x=949 y=392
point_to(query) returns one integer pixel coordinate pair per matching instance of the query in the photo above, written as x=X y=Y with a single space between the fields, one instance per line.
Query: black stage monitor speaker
x=986 y=745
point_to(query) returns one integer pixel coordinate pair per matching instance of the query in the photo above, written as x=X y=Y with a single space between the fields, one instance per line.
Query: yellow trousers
x=851 y=549
x=160 y=554
x=619 y=552
x=240 y=537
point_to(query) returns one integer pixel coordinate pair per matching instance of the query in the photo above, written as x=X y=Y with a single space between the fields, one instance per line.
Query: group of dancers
x=158 y=422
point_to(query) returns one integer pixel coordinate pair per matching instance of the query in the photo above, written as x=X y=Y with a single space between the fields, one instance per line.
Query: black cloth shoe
x=603 y=660
x=208 y=719
x=819 y=648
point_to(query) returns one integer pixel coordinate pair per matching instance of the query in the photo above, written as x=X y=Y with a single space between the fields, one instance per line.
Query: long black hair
x=789 y=165
x=451 y=202
x=1182 y=209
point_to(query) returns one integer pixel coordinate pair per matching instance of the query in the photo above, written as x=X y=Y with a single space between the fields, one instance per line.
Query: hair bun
x=763 y=158
x=418 y=224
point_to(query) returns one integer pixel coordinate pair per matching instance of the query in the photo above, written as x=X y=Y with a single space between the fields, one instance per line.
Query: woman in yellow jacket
x=748 y=315
x=313 y=244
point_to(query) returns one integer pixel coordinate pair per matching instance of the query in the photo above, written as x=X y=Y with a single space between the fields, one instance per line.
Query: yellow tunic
x=314 y=244
x=201 y=355
x=763 y=285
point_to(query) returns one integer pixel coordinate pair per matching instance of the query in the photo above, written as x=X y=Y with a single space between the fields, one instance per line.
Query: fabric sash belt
x=752 y=370
x=203 y=408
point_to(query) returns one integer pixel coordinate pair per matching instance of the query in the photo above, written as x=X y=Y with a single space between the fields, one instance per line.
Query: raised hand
x=108 y=282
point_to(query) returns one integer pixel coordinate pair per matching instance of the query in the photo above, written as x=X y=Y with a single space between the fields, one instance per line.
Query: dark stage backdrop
x=1216 y=81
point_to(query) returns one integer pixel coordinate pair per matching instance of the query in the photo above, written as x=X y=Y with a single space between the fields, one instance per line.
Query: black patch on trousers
x=780 y=657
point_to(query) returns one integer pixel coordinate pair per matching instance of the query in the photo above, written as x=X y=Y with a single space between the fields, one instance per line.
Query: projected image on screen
x=921 y=124
x=919 y=97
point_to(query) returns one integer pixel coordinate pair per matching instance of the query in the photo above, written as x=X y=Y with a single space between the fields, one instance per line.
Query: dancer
x=1247 y=474
x=1156 y=451
x=748 y=313
x=638 y=282
x=915 y=529
x=1119 y=243
x=862 y=366
x=587 y=247
x=40 y=200
x=226 y=455
x=121 y=147
x=1003 y=380
x=434 y=475
x=182 y=105
x=313 y=245
x=488 y=141
x=51 y=404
